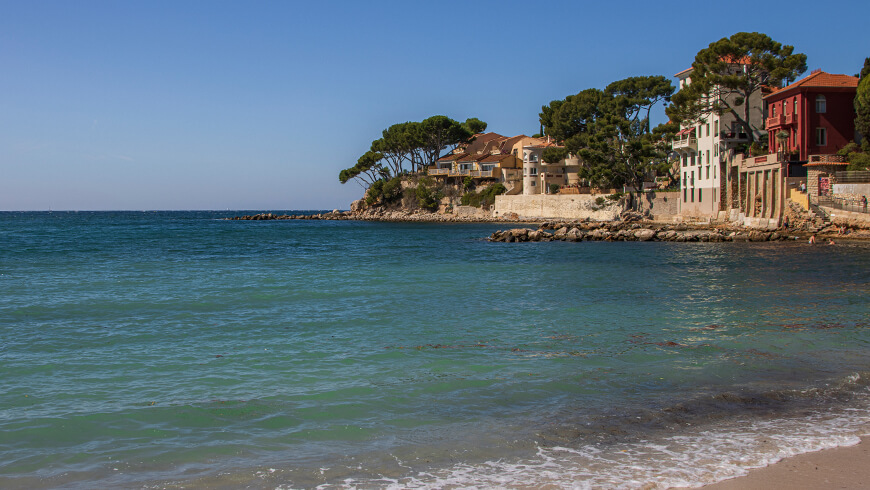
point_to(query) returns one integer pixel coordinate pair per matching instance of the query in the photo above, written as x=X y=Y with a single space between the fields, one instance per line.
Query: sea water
x=182 y=350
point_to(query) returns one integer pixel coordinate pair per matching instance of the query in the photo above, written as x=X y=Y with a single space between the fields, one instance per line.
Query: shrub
x=554 y=188
x=484 y=198
x=427 y=195
x=858 y=161
x=615 y=196
x=600 y=201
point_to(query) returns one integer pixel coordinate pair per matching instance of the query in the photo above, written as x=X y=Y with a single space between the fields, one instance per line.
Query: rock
x=644 y=235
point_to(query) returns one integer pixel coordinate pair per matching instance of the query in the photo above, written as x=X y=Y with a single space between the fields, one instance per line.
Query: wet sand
x=842 y=467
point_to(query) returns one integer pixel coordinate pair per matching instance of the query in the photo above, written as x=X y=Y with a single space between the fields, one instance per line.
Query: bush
x=858 y=161
x=484 y=198
x=615 y=196
x=554 y=188
x=600 y=201
x=384 y=191
x=427 y=195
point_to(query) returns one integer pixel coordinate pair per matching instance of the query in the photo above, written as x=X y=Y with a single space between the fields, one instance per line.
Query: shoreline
x=839 y=467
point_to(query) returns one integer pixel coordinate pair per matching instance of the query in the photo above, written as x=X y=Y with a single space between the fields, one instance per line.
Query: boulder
x=644 y=235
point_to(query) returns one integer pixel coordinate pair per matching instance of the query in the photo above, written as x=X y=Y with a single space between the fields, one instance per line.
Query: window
x=685 y=160
x=821 y=137
x=715 y=150
x=684 y=178
x=533 y=171
x=699 y=195
x=715 y=128
x=714 y=176
x=708 y=157
x=773 y=111
x=533 y=183
x=708 y=171
x=795 y=105
x=708 y=129
x=821 y=104
x=784 y=108
x=684 y=194
x=693 y=195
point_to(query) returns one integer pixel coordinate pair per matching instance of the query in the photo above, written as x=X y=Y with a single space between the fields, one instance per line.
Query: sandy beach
x=842 y=467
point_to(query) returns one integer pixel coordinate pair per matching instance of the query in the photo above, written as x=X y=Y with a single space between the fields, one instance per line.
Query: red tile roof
x=822 y=79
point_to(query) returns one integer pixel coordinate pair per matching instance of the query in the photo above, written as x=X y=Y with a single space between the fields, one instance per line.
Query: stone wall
x=660 y=205
x=571 y=206
x=471 y=212
x=852 y=190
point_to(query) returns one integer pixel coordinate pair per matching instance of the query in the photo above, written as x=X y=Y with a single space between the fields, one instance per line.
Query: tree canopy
x=410 y=146
x=862 y=109
x=727 y=73
x=610 y=131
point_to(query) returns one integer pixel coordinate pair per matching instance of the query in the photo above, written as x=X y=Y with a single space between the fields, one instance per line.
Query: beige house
x=539 y=176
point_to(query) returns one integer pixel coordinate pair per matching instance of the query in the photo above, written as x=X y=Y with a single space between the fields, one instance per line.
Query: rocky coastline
x=630 y=226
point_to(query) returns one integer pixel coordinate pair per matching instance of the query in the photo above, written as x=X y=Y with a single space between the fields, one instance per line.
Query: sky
x=256 y=105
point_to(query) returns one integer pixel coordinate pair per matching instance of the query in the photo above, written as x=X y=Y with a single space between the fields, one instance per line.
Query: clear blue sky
x=259 y=105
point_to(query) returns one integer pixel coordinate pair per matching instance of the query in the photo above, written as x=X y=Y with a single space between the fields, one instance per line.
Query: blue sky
x=259 y=105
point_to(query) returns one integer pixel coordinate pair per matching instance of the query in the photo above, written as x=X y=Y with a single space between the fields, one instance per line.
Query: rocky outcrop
x=630 y=232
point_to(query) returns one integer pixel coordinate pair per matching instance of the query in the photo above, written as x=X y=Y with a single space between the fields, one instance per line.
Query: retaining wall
x=564 y=206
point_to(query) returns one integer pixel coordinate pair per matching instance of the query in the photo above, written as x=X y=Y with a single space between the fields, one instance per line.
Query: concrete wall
x=471 y=212
x=859 y=189
x=567 y=206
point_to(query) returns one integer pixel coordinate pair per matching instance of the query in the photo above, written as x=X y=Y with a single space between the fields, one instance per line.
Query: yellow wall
x=799 y=197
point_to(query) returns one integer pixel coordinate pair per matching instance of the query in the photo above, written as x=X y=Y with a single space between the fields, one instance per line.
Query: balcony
x=775 y=121
x=483 y=173
x=791 y=118
x=439 y=171
x=685 y=143
x=733 y=137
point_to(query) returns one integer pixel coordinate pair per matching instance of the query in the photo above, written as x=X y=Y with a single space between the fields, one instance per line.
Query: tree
x=862 y=109
x=609 y=130
x=410 y=146
x=727 y=73
x=865 y=70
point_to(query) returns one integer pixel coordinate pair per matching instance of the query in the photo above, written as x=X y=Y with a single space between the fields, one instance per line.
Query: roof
x=452 y=156
x=822 y=80
x=495 y=158
x=746 y=60
x=686 y=131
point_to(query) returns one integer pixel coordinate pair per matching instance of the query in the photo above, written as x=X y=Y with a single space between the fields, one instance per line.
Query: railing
x=844 y=203
x=483 y=173
x=731 y=135
x=774 y=121
x=826 y=159
x=852 y=177
x=690 y=142
x=790 y=118
x=439 y=171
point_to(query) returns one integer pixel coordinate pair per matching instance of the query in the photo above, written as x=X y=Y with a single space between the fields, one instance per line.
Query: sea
x=162 y=349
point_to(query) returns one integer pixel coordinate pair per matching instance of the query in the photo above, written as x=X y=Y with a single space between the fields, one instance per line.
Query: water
x=176 y=349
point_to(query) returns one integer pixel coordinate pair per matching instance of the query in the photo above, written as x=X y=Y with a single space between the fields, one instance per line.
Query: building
x=539 y=176
x=813 y=116
x=704 y=150
x=490 y=156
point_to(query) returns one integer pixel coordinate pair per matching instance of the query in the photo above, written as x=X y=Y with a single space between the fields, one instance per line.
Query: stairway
x=819 y=216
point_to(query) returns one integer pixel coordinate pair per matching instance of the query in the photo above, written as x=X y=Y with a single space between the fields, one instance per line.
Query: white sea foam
x=691 y=458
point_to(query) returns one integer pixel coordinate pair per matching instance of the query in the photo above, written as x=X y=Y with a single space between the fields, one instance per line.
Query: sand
x=842 y=467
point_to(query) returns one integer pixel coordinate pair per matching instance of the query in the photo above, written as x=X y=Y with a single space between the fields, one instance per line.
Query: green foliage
x=409 y=147
x=475 y=125
x=865 y=70
x=615 y=196
x=554 y=188
x=729 y=72
x=554 y=154
x=427 y=194
x=484 y=198
x=384 y=191
x=862 y=109
x=858 y=161
x=467 y=183
x=600 y=201
x=849 y=148
x=609 y=129
x=755 y=149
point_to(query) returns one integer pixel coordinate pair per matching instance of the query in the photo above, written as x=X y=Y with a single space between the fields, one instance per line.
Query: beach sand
x=842 y=467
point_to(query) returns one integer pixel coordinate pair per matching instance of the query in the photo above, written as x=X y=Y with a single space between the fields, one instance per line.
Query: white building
x=539 y=175
x=704 y=150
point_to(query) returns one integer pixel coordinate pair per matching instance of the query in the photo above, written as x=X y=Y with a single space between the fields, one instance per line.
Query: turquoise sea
x=181 y=350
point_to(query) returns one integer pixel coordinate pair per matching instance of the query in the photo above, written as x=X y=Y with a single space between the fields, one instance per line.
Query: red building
x=813 y=116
